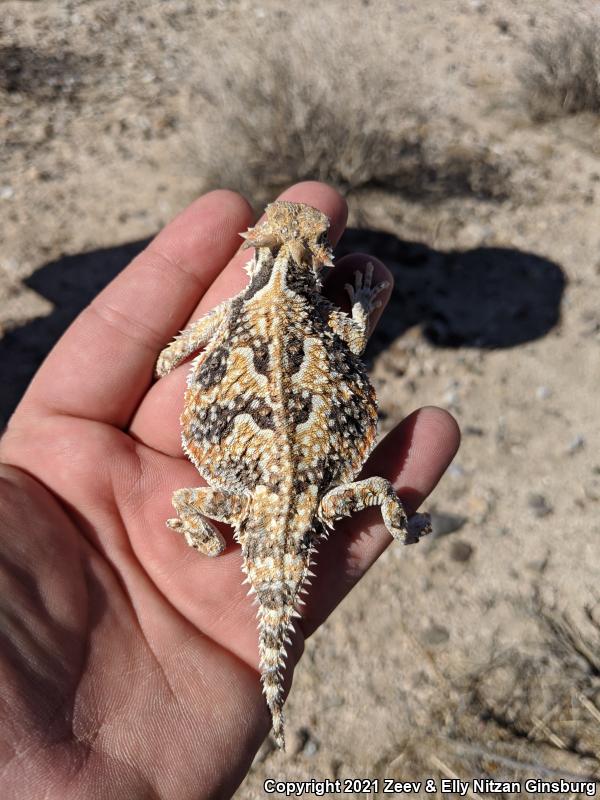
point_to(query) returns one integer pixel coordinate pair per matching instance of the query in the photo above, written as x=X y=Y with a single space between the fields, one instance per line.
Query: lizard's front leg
x=350 y=497
x=195 y=336
x=193 y=504
x=354 y=330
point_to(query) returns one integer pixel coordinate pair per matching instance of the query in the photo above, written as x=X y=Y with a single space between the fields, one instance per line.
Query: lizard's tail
x=276 y=612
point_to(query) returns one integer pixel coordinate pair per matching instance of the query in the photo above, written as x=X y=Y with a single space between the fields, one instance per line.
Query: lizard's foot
x=363 y=293
x=199 y=534
x=345 y=500
x=191 y=506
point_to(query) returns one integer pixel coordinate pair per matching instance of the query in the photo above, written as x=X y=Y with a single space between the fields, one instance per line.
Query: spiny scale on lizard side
x=279 y=417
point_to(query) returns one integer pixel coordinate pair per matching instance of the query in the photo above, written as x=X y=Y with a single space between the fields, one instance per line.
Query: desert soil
x=475 y=652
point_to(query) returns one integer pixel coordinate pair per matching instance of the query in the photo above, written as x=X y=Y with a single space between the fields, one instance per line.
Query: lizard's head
x=299 y=229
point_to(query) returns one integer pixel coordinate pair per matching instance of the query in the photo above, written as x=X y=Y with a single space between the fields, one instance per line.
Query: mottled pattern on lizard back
x=277 y=399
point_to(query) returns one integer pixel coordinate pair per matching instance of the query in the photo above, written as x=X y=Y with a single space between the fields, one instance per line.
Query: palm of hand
x=130 y=662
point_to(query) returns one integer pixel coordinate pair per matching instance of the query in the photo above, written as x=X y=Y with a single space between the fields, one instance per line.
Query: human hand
x=129 y=664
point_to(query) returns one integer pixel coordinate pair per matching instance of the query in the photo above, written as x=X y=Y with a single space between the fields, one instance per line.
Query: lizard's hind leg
x=350 y=497
x=192 y=505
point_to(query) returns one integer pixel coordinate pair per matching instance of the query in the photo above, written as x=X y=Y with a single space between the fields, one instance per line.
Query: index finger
x=102 y=366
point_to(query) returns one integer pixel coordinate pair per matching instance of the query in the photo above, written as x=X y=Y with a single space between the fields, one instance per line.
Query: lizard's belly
x=294 y=412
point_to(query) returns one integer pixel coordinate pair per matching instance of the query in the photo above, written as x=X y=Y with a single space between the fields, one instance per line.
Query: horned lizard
x=279 y=418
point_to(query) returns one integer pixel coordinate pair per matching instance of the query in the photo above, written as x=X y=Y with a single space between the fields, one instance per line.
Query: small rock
x=451 y=399
x=478 y=507
x=436 y=634
x=461 y=551
x=543 y=392
x=501 y=435
x=443 y=524
x=452 y=396
x=473 y=430
x=6 y=192
x=456 y=471
x=590 y=323
x=538 y=565
x=9 y=265
x=307 y=744
x=578 y=443
x=539 y=505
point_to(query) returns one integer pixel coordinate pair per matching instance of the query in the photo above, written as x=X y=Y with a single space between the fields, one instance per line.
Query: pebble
x=473 y=430
x=451 y=399
x=456 y=471
x=308 y=745
x=451 y=396
x=543 y=392
x=578 y=443
x=436 y=634
x=461 y=551
x=539 y=505
x=538 y=565
x=9 y=265
x=479 y=507
x=6 y=192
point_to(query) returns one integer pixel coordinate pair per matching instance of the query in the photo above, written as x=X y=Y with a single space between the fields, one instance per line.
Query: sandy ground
x=477 y=651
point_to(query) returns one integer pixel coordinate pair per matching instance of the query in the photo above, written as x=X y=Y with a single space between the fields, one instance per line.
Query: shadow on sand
x=70 y=283
x=485 y=298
